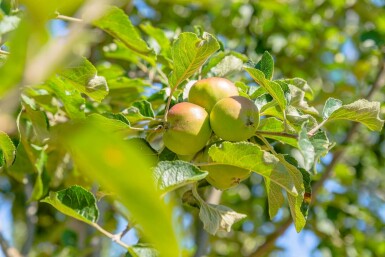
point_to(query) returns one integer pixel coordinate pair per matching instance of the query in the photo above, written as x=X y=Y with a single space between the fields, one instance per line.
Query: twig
x=4 y=52
x=123 y=233
x=113 y=237
x=68 y=18
x=8 y=250
x=316 y=128
x=270 y=241
x=279 y=134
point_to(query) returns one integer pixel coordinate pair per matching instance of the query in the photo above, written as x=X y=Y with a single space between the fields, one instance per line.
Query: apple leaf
x=118 y=50
x=116 y=23
x=298 y=101
x=362 y=111
x=170 y=175
x=75 y=202
x=160 y=36
x=273 y=88
x=306 y=148
x=275 y=197
x=302 y=85
x=227 y=65
x=124 y=167
x=141 y=251
x=273 y=124
x=266 y=65
x=189 y=53
x=250 y=156
x=7 y=150
x=41 y=183
x=70 y=97
x=83 y=76
x=331 y=105
x=216 y=217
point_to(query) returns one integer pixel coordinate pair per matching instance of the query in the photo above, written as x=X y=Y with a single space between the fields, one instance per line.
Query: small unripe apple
x=234 y=118
x=207 y=92
x=187 y=129
x=221 y=176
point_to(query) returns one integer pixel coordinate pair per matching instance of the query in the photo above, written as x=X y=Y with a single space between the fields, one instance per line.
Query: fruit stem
x=168 y=104
x=271 y=149
x=279 y=134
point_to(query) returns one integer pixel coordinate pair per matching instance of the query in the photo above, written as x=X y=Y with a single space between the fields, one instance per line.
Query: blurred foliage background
x=336 y=45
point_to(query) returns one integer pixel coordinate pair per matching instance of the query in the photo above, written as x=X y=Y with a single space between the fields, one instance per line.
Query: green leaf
x=274 y=196
x=218 y=58
x=145 y=109
x=216 y=217
x=8 y=23
x=272 y=124
x=266 y=65
x=189 y=53
x=83 y=76
x=170 y=175
x=306 y=148
x=141 y=251
x=227 y=65
x=124 y=167
x=250 y=156
x=331 y=105
x=298 y=101
x=75 y=202
x=116 y=23
x=321 y=146
x=273 y=88
x=41 y=183
x=361 y=111
x=118 y=50
x=301 y=84
x=71 y=98
x=7 y=150
x=160 y=36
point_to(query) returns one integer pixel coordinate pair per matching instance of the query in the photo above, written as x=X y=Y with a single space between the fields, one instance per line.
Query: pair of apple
x=213 y=104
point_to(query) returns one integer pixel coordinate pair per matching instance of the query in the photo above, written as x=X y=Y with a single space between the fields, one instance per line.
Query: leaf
x=8 y=23
x=274 y=196
x=116 y=23
x=273 y=88
x=75 y=202
x=71 y=98
x=331 y=105
x=83 y=76
x=41 y=183
x=218 y=58
x=7 y=150
x=124 y=167
x=361 y=111
x=301 y=84
x=227 y=65
x=272 y=124
x=170 y=175
x=306 y=148
x=118 y=50
x=321 y=146
x=160 y=36
x=298 y=101
x=250 y=156
x=141 y=251
x=266 y=65
x=189 y=53
x=145 y=109
x=216 y=217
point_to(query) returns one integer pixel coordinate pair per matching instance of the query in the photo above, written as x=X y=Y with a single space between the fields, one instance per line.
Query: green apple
x=207 y=92
x=234 y=118
x=221 y=176
x=187 y=129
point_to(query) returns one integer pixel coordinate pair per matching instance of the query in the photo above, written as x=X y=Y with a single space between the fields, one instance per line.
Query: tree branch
x=266 y=247
x=8 y=250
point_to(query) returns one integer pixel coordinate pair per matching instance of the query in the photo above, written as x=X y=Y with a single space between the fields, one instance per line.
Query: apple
x=234 y=118
x=221 y=176
x=207 y=92
x=187 y=128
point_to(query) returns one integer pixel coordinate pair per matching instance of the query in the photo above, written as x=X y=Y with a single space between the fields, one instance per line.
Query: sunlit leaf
x=7 y=150
x=266 y=65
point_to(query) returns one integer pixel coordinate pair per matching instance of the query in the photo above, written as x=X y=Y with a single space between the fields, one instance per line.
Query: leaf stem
x=114 y=238
x=279 y=134
x=271 y=149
